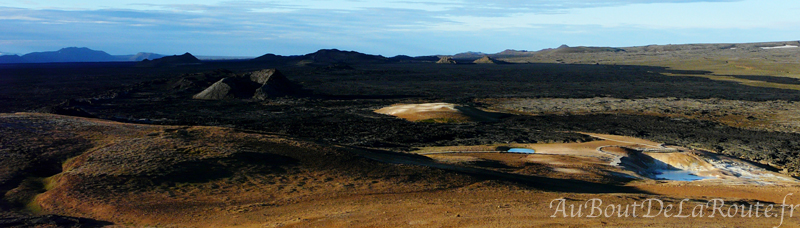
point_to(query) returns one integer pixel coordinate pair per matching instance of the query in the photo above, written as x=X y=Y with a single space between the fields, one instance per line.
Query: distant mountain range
x=75 y=54
x=11 y=59
x=72 y=54
x=469 y=55
x=82 y=54
x=321 y=57
x=326 y=57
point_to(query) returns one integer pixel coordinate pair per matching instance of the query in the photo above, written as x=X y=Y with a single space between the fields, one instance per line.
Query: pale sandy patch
x=568 y=170
x=439 y=111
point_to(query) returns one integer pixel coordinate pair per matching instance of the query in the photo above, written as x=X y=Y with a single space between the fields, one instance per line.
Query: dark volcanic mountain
x=272 y=57
x=11 y=59
x=70 y=54
x=511 y=52
x=335 y=56
x=471 y=55
x=175 y=60
x=583 y=49
x=405 y=58
x=325 y=57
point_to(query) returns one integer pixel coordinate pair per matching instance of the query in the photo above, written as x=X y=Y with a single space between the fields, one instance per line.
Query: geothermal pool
x=521 y=150
x=678 y=175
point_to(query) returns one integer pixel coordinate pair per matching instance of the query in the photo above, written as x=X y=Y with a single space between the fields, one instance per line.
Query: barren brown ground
x=757 y=115
x=181 y=176
x=196 y=176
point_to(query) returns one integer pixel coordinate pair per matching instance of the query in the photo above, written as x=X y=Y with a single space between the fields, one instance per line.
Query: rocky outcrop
x=485 y=60
x=489 y=60
x=446 y=60
x=257 y=85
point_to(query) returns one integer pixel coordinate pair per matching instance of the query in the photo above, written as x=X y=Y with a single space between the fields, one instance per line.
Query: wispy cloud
x=291 y=27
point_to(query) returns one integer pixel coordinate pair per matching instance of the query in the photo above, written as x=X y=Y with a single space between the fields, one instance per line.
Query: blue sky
x=409 y=27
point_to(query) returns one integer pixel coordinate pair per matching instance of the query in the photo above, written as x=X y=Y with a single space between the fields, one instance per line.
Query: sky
x=389 y=28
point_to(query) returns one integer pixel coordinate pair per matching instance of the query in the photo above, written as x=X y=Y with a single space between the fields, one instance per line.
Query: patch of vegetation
x=24 y=195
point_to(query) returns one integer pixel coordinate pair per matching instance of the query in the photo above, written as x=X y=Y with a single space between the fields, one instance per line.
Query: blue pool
x=521 y=150
x=678 y=175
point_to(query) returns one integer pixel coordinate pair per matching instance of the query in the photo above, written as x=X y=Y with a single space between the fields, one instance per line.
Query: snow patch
x=779 y=47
